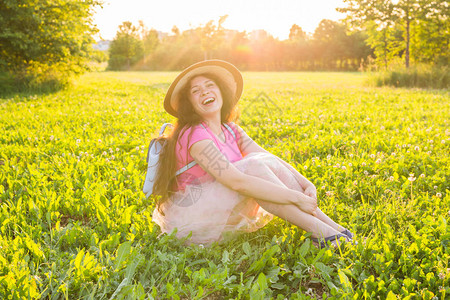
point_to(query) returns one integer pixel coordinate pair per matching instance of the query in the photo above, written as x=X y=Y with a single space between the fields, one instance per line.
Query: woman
x=226 y=182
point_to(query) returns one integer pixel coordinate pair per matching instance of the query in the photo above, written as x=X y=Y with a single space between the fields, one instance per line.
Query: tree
x=239 y=49
x=126 y=49
x=45 y=41
x=377 y=18
x=176 y=52
x=358 y=49
x=430 y=40
x=385 y=41
x=176 y=31
x=211 y=36
x=297 y=49
x=150 y=41
x=296 y=33
x=330 y=40
x=396 y=27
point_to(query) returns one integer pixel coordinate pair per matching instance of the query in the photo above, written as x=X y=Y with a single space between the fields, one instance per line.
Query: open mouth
x=208 y=101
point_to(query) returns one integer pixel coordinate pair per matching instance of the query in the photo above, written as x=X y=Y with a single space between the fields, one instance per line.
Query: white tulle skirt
x=210 y=210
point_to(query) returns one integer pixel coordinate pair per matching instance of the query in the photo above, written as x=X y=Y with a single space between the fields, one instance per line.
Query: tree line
x=331 y=47
x=45 y=42
x=376 y=34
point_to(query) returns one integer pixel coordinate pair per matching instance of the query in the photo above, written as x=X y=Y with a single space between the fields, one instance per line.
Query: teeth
x=209 y=100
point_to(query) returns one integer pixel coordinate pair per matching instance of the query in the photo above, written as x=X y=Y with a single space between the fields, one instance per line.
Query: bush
x=37 y=77
x=422 y=76
x=6 y=83
x=43 y=43
x=99 y=56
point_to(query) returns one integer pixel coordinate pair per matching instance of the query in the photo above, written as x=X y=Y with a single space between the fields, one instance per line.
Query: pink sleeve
x=193 y=135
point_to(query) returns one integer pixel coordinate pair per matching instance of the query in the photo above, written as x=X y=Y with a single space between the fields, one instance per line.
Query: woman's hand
x=311 y=191
x=306 y=203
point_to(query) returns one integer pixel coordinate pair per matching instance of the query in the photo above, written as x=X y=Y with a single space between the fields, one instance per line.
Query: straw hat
x=227 y=72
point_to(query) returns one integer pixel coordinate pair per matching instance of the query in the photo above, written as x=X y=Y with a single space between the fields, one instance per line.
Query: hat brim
x=228 y=73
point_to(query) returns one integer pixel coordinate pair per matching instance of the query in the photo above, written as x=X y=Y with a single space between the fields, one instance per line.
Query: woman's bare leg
x=287 y=179
x=296 y=216
x=320 y=226
x=327 y=220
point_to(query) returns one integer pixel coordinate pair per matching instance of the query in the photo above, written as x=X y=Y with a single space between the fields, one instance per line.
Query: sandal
x=348 y=233
x=323 y=242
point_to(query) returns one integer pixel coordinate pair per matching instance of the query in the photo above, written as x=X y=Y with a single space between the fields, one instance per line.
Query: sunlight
x=276 y=17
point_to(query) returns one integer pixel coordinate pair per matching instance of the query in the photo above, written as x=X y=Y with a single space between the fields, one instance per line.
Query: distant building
x=189 y=32
x=229 y=34
x=259 y=34
x=102 y=45
x=162 y=35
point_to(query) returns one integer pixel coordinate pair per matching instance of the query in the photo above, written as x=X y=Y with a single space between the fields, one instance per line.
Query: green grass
x=74 y=223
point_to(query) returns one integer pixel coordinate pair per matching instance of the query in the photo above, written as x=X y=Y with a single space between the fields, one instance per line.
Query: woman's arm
x=247 y=145
x=209 y=157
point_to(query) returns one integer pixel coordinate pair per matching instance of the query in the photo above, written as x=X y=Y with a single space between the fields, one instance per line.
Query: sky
x=274 y=16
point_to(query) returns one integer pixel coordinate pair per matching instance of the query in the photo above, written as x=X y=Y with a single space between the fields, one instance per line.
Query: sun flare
x=276 y=17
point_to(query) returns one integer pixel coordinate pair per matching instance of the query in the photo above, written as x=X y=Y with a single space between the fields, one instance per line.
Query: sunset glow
x=276 y=17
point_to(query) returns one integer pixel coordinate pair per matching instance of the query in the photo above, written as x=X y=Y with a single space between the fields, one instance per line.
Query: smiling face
x=205 y=96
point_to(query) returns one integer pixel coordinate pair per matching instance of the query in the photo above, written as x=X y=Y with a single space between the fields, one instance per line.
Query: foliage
x=331 y=48
x=126 y=49
x=416 y=30
x=334 y=44
x=150 y=42
x=384 y=42
x=430 y=42
x=99 y=56
x=74 y=223
x=176 y=52
x=211 y=36
x=43 y=42
x=296 y=33
x=132 y=46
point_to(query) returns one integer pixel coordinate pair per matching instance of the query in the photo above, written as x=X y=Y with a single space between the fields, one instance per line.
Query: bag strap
x=161 y=131
x=185 y=168
x=230 y=130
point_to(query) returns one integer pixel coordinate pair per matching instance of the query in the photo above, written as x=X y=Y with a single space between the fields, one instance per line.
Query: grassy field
x=74 y=223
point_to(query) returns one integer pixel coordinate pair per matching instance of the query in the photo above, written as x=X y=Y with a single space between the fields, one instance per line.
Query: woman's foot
x=334 y=239
x=348 y=233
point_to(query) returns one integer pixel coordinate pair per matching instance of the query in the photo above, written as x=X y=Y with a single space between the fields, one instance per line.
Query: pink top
x=195 y=134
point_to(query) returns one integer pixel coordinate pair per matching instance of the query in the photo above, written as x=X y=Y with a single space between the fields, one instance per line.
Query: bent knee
x=257 y=166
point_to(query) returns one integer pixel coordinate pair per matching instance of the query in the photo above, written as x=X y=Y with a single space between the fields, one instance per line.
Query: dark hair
x=165 y=183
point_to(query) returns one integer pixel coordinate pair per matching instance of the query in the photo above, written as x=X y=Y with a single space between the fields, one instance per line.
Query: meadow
x=74 y=223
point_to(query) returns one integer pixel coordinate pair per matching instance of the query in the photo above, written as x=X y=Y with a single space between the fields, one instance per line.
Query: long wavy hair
x=165 y=183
